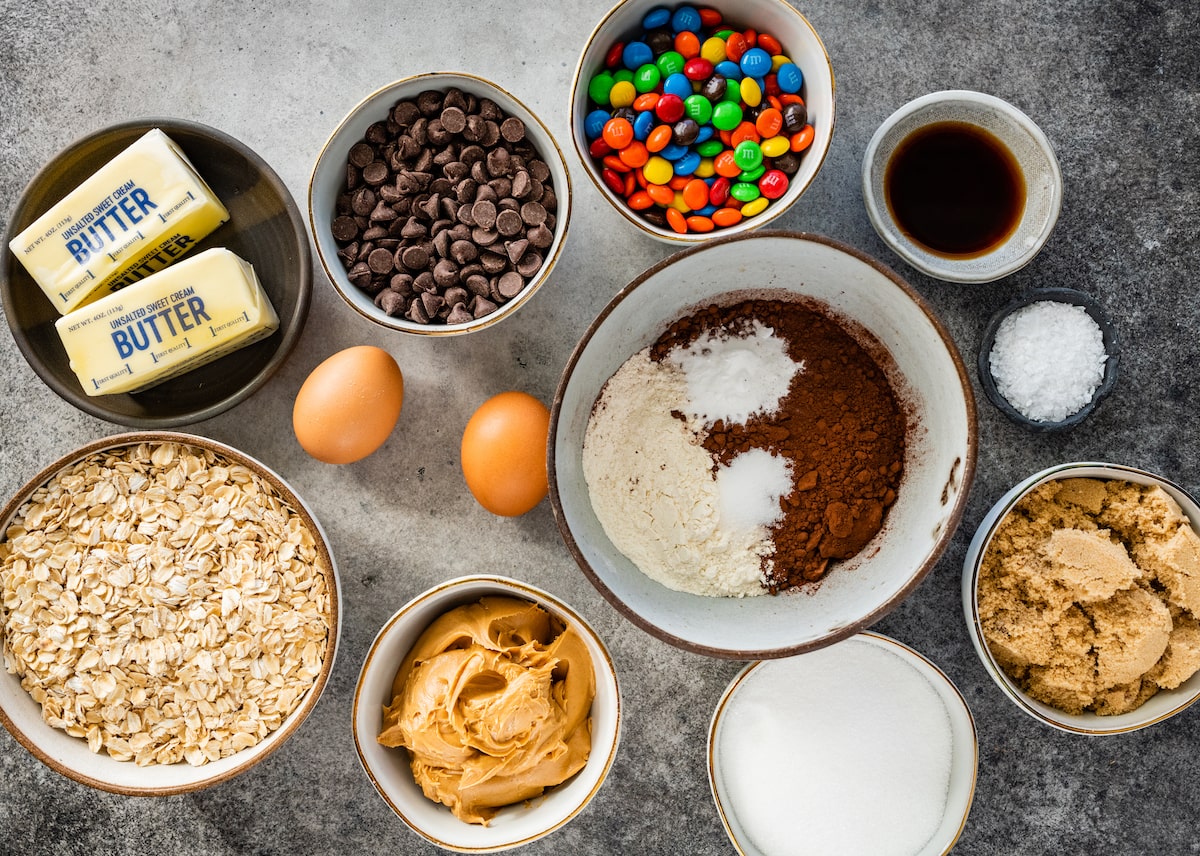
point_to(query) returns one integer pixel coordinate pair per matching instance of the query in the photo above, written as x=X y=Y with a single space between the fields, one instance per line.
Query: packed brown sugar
x=1089 y=594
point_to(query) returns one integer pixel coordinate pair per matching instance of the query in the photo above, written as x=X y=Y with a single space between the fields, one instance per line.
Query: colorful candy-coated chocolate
x=669 y=108
x=670 y=63
x=643 y=125
x=599 y=148
x=640 y=201
x=614 y=181
x=635 y=154
x=636 y=54
x=744 y=191
x=673 y=152
x=726 y=217
x=593 y=123
x=676 y=221
x=687 y=44
x=613 y=58
x=622 y=94
x=769 y=122
x=773 y=147
x=687 y=164
x=746 y=174
x=773 y=184
x=713 y=50
x=686 y=18
x=618 y=133
x=697 y=223
x=600 y=86
x=658 y=170
x=718 y=193
x=789 y=77
x=729 y=69
x=755 y=62
x=751 y=92
x=755 y=206
x=647 y=77
x=727 y=115
x=748 y=155
x=699 y=108
x=657 y=17
x=803 y=140
x=659 y=138
x=697 y=69
x=709 y=18
x=770 y=44
x=710 y=148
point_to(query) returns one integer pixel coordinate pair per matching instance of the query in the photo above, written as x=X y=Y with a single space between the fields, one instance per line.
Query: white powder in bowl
x=750 y=487
x=734 y=377
x=1048 y=360
x=653 y=490
x=857 y=740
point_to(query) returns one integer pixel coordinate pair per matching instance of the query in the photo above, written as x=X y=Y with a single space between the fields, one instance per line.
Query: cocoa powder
x=840 y=425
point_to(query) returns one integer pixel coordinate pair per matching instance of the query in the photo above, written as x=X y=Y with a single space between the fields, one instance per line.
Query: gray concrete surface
x=1112 y=82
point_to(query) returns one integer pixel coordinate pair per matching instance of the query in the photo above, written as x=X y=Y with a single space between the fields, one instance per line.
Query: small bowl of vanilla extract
x=962 y=185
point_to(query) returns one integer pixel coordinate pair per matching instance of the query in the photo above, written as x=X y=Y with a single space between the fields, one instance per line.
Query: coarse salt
x=1048 y=360
x=733 y=376
x=857 y=739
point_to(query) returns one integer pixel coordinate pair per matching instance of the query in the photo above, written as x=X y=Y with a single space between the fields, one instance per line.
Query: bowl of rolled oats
x=169 y=613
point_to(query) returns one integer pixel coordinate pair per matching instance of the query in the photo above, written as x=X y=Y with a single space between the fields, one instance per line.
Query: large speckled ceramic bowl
x=389 y=770
x=1163 y=704
x=264 y=228
x=931 y=382
x=70 y=756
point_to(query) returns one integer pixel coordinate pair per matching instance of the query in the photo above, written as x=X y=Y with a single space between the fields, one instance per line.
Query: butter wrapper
x=137 y=214
x=168 y=323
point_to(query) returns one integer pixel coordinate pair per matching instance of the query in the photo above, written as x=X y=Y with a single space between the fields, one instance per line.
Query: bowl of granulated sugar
x=1048 y=358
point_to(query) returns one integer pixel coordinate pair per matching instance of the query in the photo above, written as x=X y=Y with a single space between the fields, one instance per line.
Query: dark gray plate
x=265 y=228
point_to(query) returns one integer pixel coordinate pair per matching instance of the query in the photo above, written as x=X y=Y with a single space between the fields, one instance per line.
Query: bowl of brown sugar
x=761 y=471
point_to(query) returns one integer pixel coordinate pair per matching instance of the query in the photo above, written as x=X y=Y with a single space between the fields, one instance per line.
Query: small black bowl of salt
x=1048 y=358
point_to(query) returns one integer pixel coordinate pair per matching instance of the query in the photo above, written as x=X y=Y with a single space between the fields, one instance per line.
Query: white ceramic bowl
x=800 y=42
x=389 y=770
x=70 y=756
x=329 y=175
x=939 y=458
x=1030 y=147
x=781 y=675
x=1165 y=703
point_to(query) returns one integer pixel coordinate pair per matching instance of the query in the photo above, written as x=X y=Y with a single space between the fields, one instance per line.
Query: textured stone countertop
x=1114 y=86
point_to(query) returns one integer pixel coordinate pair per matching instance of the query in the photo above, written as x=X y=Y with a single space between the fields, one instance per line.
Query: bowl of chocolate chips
x=439 y=205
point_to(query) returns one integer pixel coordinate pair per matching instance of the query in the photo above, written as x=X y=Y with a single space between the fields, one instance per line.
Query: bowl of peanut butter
x=486 y=714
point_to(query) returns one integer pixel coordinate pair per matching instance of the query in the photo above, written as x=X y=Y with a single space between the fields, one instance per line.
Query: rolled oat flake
x=1048 y=360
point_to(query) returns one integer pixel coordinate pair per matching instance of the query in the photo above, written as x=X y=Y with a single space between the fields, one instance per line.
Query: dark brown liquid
x=954 y=188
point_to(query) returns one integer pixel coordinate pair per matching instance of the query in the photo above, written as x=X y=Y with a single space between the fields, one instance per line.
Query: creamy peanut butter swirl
x=493 y=705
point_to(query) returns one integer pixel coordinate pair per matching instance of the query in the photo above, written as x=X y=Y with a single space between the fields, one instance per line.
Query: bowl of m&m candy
x=702 y=120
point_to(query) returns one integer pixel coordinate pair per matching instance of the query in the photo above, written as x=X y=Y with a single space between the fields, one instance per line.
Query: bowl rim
x=965 y=474
x=919 y=661
x=948 y=269
x=693 y=238
x=1112 y=349
x=335 y=273
x=513 y=587
x=289 y=337
x=297 y=717
x=973 y=563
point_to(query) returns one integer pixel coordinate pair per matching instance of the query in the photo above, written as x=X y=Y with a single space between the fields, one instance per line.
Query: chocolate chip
x=432 y=303
x=374 y=232
x=416 y=312
x=459 y=315
x=401 y=283
x=498 y=161
x=375 y=173
x=510 y=285
x=512 y=129
x=464 y=251
x=481 y=306
x=533 y=214
x=415 y=258
x=361 y=154
x=436 y=134
x=530 y=264
x=521 y=184
x=405 y=113
x=390 y=302
x=345 y=229
x=429 y=102
x=541 y=237
x=380 y=260
x=455 y=97
x=516 y=249
x=477 y=284
x=454 y=119
x=489 y=110
x=360 y=274
x=484 y=214
x=445 y=273
x=484 y=237
x=493 y=263
x=508 y=223
x=383 y=213
x=377 y=133
x=539 y=170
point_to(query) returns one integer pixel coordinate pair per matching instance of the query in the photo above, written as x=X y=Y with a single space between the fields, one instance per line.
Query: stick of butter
x=136 y=215
x=168 y=323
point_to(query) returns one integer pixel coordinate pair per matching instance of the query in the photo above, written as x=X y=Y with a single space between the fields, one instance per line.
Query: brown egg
x=504 y=453
x=348 y=406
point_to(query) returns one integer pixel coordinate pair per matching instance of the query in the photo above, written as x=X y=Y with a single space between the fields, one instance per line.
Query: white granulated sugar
x=857 y=740
x=733 y=377
x=750 y=487
x=1048 y=360
x=652 y=487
